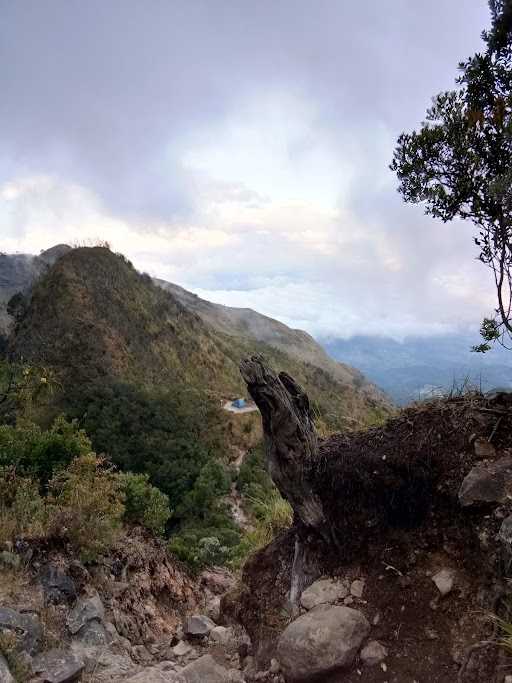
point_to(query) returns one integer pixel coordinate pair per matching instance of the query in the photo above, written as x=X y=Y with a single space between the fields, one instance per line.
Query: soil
x=391 y=497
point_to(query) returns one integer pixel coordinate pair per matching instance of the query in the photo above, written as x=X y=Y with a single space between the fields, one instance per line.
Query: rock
x=58 y=666
x=26 y=627
x=203 y=670
x=373 y=653
x=323 y=591
x=9 y=559
x=152 y=675
x=58 y=587
x=5 y=674
x=483 y=448
x=508 y=679
x=213 y=608
x=235 y=676
x=221 y=635
x=357 y=588
x=444 y=580
x=490 y=483
x=505 y=532
x=198 y=625
x=84 y=611
x=182 y=648
x=274 y=666
x=94 y=634
x=320 y=641
x=218 y=580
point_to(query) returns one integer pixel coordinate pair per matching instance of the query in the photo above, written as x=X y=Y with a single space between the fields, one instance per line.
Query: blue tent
x=239 y=403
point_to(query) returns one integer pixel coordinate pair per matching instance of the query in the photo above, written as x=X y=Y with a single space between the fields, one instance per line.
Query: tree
x=459 y=164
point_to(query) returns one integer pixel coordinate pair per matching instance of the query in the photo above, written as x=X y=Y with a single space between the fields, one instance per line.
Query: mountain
x=18 y=271
x=92 y=316
x=419 y=367
x=244 y=323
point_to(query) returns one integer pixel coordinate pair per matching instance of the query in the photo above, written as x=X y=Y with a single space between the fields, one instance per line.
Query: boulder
x=321 y=641
x=152 y=675
x=203 y=670
x=26 y=627
x=84 y=611
x=94 y=634
x=323 y=591
x=373 y=653
x=58 y=666
x=181 y=649
x=5 y=674
x=357 y=588
x=58 y=587
x=198 y=625
x=221 y=635
x=491 y=483
x=444 y=580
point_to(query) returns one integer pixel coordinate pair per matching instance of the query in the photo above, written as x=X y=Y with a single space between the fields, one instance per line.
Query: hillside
x=92 y=315
x=247 y=324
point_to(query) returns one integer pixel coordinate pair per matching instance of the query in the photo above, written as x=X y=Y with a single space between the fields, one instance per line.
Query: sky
x=240 y=148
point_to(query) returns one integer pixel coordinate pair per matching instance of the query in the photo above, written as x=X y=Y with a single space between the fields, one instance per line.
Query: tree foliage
x=459 y=164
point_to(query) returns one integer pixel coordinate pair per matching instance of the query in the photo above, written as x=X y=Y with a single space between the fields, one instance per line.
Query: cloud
x=240 y=149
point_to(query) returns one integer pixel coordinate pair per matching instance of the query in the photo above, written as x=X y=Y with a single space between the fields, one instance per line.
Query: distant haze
x=240 y=149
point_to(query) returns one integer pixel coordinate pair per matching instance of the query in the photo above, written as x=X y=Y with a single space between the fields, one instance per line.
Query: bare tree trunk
x=290 y=437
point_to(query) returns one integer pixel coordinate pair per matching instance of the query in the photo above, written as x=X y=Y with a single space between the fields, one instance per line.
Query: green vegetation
x=459 y=163
x=140 y=379
x=144 y=503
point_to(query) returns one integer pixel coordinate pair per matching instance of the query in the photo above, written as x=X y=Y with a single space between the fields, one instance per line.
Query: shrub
x=40 y=454
x=22 y=510
x=86 y=505
x=273 y=515
x=144 y=503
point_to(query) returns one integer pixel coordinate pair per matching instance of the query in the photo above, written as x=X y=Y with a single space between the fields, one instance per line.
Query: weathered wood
x=290 y=437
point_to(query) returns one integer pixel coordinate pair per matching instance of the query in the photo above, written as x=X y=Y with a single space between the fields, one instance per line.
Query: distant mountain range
x=419 y=367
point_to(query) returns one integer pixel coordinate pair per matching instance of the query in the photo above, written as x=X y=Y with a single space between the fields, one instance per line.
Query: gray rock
x=5 y=674
x=274 y=666
x=152 y=675
x=444 y=580
x=93 y=634
x=505 y=532
x=357 y=588
x=213 y=608
x=203 y=670
x=26 y=627
x=198 y=625
x=84 y=611
x=181 y=649
x=491 y=483
x=373 y=653
x=323 y=591
x=221 y=635
x=58 y=666
x=58 y=587
x=320 y=641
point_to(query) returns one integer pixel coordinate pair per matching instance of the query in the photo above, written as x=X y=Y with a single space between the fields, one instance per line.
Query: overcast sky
x=240 y=148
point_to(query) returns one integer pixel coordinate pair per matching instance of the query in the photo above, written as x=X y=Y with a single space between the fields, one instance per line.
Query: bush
x=144 y=503
x=22 y=510
x=86 y=505
x=40 y=454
